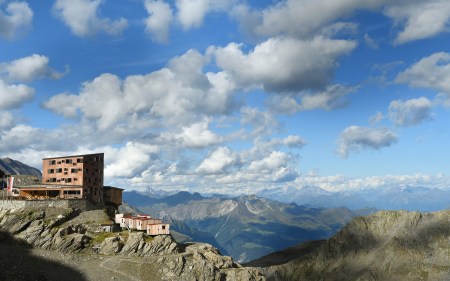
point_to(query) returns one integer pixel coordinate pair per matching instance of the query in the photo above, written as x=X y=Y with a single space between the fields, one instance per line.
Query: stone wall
x=81 y=204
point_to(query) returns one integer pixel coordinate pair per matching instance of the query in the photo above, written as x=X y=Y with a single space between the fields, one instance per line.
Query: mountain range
x=245 y=227
x=401 y=197
x=14 y=167
x=42 y=244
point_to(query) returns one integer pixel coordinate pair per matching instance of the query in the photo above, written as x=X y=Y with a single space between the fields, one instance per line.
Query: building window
x=52 y=162
x=163 y=227
x=59 y=170
x=72 y=192
x=50 y=171
x=73 y=170
x=68 y=180
x=69 y=161
x=79 y=160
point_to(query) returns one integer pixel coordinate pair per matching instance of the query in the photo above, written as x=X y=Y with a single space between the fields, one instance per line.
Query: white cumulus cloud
x=274 y=161
x=159 y=20
x=294 y=141
x=6 y=119
x=413 y=20
x=344 y=183
x=332 y=97
x=420 y=19
x=431 y=72
x=81 y=17
x=27 y=69
x=13 y=96
x=284 y=64
x=356 y=138
x=191 y=13
x=17 y=19
x=410 y=112
x=217 y=161
x=129 y=160
x=262 y=123
x=178 y=95
x=197 y=135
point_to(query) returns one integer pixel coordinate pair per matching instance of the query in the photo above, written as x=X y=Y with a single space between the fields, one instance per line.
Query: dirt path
x=106 y=268
x=124 y=275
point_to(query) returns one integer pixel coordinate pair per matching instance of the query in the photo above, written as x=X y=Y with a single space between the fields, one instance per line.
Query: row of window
x=65 y=170
x=66 y=180
x=96 y=180
x=72 y=192
x=73 y=170
x=65 y=161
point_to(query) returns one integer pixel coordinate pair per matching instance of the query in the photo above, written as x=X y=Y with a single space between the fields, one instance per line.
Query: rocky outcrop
x=203 y=262
x=69 y=231
x=388 y=245
x=138 y=244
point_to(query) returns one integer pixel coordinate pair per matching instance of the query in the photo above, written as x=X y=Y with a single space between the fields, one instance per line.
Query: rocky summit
x=74 y=239
x=388 y=245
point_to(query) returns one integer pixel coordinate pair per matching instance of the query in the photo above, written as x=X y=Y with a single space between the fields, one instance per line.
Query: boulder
x=161 y=245
x=134 y=244
x=73 y=243
x=111 y=246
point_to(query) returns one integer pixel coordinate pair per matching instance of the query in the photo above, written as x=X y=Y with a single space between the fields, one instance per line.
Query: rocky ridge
x=388 y=245
x=14 y=167
x=71 y=231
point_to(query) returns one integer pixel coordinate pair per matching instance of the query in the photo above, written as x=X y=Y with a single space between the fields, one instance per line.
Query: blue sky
x=231 y=96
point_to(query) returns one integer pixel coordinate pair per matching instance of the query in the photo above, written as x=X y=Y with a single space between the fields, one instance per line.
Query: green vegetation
x=101 y=237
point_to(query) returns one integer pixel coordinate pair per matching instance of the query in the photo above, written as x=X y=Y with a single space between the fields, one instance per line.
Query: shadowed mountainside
x=388 y=245
x=18 y=264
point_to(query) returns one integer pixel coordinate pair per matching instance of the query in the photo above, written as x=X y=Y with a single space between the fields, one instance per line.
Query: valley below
x=245 y=227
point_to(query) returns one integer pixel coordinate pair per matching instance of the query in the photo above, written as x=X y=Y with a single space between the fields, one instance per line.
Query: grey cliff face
x=388 y=245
